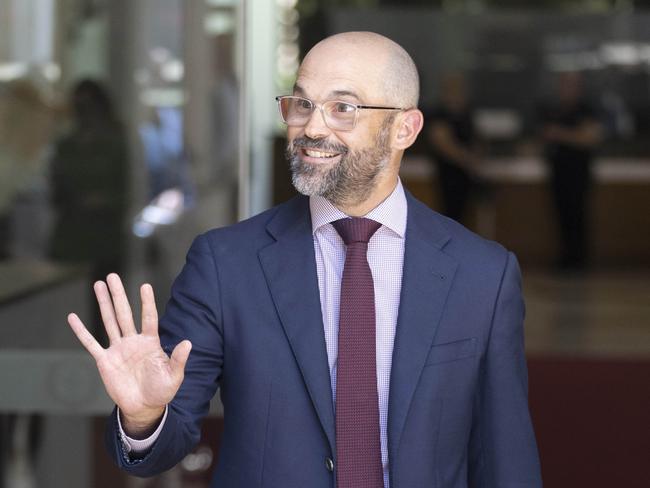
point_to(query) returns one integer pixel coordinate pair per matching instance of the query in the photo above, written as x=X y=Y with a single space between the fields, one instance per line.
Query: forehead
x=336 y=72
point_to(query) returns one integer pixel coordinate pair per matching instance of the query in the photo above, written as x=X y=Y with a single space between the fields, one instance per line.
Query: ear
x=408 y=125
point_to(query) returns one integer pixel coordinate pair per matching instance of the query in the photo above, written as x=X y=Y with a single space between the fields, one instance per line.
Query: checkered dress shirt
x=386 y=260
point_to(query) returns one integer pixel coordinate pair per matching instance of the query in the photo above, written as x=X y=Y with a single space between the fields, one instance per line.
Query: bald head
x=376 y=59
x=355 y=167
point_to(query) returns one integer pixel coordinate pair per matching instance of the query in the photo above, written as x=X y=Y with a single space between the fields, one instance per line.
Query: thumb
x=179 y=358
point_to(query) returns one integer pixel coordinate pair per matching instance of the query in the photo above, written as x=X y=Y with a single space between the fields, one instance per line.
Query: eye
x=303 y=104
x=344 y=108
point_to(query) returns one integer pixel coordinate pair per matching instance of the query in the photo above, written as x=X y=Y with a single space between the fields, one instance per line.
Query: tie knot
x=356 y=229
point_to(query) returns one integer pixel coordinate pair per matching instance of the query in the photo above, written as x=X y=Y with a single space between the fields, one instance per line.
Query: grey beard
x=350 y=181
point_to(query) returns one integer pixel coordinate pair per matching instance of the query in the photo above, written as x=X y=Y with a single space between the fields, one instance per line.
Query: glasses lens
x=340 y=115
x=295 y=110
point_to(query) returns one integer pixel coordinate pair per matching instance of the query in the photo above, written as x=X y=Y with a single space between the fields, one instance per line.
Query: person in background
x=452 y=144
x=89 y=184
x=570 y=132
x=27 y=121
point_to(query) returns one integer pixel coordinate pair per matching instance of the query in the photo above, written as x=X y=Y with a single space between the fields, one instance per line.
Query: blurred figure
x=163 y=128
x=451 y=139
x=570 y=132
x=164 y=150
x=27 y=120
x=224 y=105
x=89 y=180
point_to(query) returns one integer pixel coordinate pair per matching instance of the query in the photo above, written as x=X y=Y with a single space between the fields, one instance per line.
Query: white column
x=260 y=42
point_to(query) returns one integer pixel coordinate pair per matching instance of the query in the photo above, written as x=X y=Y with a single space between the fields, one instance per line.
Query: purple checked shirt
x=386 y=260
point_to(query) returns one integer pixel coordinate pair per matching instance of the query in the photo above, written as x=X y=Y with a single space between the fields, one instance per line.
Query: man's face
x=342 y=166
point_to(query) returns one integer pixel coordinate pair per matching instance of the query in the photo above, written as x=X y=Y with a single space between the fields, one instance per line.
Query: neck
x=384 y=188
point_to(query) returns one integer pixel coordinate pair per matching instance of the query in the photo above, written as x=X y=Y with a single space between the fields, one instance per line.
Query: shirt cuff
x=139 y=446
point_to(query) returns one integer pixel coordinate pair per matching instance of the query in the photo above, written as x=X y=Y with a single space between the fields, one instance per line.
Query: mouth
x=318 y=156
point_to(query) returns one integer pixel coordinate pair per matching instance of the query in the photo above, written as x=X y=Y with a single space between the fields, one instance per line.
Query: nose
x=316 y=128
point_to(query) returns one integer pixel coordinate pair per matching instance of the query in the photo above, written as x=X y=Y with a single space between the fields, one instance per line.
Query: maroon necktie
x=358 y=446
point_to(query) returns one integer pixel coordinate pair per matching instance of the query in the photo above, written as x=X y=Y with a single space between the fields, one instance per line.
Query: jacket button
x=329 y=464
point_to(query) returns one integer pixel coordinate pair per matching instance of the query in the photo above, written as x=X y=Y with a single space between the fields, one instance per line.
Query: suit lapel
x=427 y=277
x=290 y=270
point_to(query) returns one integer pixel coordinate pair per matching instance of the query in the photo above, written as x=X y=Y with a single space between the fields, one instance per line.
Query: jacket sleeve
x=193 y=312
x=503 y=451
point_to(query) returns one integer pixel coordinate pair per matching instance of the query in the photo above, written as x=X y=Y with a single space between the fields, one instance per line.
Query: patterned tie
x=358 y=446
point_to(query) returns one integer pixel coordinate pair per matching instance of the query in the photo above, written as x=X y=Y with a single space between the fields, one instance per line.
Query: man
x=571 y=133
x=273 y=309
x=452 y=142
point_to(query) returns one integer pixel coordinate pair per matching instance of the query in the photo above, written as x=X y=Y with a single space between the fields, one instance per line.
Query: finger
x=85 y=337
x=107 y=311
x=178 y=359
x=121 y=305
x=149 y=312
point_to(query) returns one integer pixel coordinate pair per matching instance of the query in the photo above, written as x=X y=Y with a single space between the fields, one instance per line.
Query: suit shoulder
x=463 y=244
x=473 y=243
x=252 y=232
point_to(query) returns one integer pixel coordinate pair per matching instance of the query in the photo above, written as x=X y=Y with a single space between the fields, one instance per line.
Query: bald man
x=359 y=339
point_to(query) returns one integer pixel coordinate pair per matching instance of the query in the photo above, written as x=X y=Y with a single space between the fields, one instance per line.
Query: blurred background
x=129 y=126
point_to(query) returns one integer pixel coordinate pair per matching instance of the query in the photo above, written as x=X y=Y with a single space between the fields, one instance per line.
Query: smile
x=319 y=154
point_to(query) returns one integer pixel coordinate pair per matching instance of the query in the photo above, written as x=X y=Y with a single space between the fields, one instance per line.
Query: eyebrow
x=345 y=93
x=332 y=95
x=298 y=89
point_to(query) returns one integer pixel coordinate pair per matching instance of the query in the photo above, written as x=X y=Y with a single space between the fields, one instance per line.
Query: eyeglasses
x=338 y=115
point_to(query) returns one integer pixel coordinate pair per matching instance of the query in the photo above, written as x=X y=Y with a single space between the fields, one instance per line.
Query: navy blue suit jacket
x=248 y=300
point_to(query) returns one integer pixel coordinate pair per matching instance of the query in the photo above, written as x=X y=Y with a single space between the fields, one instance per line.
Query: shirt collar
x=390 y=213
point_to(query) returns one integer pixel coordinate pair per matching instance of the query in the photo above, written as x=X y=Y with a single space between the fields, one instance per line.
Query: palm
x=138 y=375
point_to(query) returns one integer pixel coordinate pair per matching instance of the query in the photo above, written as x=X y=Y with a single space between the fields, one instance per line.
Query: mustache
x=323 y=144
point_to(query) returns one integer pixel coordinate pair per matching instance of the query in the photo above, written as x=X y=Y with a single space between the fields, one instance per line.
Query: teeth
x=318 y=154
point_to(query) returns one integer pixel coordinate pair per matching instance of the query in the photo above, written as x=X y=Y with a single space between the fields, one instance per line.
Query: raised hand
x=138 y=375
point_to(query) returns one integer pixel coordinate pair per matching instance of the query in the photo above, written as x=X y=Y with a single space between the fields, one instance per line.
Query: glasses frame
x=315 y=105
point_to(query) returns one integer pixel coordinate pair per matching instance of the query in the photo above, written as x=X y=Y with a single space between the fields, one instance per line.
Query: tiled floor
x=596 y=314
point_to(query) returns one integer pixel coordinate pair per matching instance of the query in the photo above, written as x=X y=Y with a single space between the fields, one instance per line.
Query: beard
x=348 y=182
